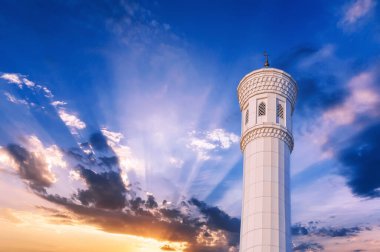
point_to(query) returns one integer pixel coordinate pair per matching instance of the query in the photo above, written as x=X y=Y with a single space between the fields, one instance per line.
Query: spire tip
x=266 y=64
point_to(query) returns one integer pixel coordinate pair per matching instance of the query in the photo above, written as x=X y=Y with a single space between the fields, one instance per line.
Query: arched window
x=262 y=109
x=280 y=111
x=246 y=116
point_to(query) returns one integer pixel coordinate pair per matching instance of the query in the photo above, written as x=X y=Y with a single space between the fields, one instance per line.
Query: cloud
x=335 y=111
x=108 y=153
x=178 y=163
x=167 y=248
x=105 y=190
x=349 y=132
x=28 y=82
x=35 y=166
x=108 y=203
x=150 y=219
x=33 y=169
x=115 y=137
x=58 y=103
x=12 y=78
x=308 y=247
x=14 y=100
x=223 y=138
x=320 y=86
x=313 y=229
x=135 y=25
x=216 y=217
x=71 y=120
x=363 y=98
x=205 y=142
x=317 y=236
x=361 y=161
x=356 y=11
x=99 y=142
x=21 y=80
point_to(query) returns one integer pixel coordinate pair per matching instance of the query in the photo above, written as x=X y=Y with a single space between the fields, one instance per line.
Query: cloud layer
x=108 y=203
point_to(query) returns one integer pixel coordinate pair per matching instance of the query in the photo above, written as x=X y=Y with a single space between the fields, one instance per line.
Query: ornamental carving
x=267 y=131
x=264 y=81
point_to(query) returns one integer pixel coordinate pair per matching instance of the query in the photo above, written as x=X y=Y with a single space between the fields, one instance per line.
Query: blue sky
x=142 y=95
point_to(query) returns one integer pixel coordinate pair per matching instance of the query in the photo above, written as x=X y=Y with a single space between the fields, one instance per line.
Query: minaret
x=267 y=98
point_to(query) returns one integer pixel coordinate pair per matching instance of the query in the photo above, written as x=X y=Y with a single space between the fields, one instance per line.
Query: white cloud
x=356 y=11
x=74 y=175
x=58 y=103
x=20 y=80
x=362 y=100
x=127 y=160
x=28 y=82
x=12 y=78
x=71 y=120
x=52 y=154
x=112 y=136
x=48 y=93
x=225 y=139
x=205 y=142
x=14 y=100
x=202 y=144
x=6 y=162
x=178 y=163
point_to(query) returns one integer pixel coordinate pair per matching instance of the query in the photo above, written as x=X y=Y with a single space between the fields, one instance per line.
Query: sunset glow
x=120 y=124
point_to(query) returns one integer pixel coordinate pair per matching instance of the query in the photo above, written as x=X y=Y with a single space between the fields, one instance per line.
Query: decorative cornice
x=267 y=131
x=267 y=80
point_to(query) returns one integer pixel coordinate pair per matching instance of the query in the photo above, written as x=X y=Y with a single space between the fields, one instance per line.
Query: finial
x=266 y=64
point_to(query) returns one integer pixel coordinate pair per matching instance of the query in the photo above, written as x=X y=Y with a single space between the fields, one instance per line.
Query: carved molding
x=267 y=131
x=264 y=81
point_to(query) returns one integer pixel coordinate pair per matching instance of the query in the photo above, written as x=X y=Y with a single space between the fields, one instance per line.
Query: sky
x=120 y=124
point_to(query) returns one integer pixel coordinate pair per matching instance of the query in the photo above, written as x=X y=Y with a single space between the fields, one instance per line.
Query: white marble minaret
x=267 y=98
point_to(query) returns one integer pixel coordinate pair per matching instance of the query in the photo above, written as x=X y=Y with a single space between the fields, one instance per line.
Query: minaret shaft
x=267 y=98
x=266 y=209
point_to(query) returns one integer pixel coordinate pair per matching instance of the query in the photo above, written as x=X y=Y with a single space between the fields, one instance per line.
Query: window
x=280 y=111
x=262 y=109
x=246 y=116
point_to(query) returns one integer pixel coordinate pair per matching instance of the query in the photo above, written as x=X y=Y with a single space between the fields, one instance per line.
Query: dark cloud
x=128 y=221
x=167 y=248
x=361 y=160
x=96 y=154
x=147 y=218
x=114 y=207
x=308 y=246
x=32 y=168
x=110 y=162
x=313 y=228
x=339 y=232
x=320 y=87
x=216 y=217
x=298 y=229
x=105 y=190
x=318 y=94
x=151 y=202
x=287 y=61
x=98 y=141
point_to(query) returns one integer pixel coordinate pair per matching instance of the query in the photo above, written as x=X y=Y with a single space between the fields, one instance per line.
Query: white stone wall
x=266 y=144
x=266 y=208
